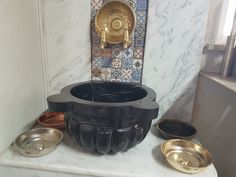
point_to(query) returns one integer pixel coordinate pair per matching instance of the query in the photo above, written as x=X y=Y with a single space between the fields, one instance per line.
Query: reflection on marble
x=144 y=160
x=175 y=36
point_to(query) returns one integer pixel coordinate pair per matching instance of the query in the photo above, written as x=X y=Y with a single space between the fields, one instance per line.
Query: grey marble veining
x=67 y=36
x=174 y=42
x=174 y=45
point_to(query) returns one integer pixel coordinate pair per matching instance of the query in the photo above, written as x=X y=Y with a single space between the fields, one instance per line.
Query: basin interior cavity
x=108 y=92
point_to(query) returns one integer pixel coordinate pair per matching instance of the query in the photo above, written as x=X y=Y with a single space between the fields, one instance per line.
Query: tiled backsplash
x=174 y=42
x=114 y=63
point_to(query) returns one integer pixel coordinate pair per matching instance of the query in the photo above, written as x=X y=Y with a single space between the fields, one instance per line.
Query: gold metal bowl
x=38 y=142
x=186 y=156
x=114 y=18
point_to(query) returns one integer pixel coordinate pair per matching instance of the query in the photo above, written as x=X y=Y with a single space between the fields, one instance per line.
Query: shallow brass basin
x=186 y=156
x=38 y=142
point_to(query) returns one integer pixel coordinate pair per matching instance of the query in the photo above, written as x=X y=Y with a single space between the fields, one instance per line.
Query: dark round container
x=176 y=129
x=106 y=116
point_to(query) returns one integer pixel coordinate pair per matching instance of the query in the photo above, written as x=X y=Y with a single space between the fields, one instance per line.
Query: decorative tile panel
x=114 y=63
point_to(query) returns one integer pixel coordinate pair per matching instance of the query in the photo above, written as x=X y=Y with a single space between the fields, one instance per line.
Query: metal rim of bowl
x=46 y=124
x=36 y=129
x=190 y=142
x=176 y=136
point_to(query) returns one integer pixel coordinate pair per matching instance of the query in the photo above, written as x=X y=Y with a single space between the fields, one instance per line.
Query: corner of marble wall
x=175 y=39
x=67 y=37
x=182 y=108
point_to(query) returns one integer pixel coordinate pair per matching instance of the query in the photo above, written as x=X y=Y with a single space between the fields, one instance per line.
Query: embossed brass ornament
x=115 y=22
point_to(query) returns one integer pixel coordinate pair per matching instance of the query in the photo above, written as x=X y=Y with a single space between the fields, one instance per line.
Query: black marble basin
x=106 y=116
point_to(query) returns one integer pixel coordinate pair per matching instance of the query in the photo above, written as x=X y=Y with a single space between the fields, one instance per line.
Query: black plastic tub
x=106 y=116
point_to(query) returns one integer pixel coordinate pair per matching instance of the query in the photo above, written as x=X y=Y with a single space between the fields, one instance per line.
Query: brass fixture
x=103 y=37
x=115 y=23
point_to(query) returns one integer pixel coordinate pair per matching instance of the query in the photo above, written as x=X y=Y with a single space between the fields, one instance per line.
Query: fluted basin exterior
x=106 y=116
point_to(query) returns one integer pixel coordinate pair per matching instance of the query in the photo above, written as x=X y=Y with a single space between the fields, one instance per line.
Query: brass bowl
x=176 y=129
x=52 y=120
x=114 y=15
x=38 y=142
x=186 y=156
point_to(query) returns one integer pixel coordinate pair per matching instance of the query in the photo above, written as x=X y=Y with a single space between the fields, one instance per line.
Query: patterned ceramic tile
x=96 y=4
x=106 y=53
x=114 y=63
x=96 y=71
x=137 y=64
x=141 y=17
x=127 y=64
x=136 y=74
x=93 y=15
x=95 y=40
x=97 y=62
x=117 y=51
x=116 y=73
x=105 y=74
x=96 y=52
x=106 y=63
x=141 y=5
x=128 y=53
x=140 y=29
x=131 y=3
x=138 y=53
x=138 y=41
x=127 y=74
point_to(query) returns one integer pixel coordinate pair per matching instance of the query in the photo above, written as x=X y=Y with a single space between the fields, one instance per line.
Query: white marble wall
x=67 y=42
x=174 y=44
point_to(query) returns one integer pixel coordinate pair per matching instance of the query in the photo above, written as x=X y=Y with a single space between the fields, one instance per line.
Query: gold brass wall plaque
x=114 y=23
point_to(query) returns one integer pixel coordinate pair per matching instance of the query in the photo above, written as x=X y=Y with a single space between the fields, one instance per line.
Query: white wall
x=214 y=117
x=67 y=42
x=21 y=78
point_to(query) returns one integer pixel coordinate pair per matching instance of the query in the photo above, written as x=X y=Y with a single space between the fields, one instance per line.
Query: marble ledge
x=228 y=83
x=144 y=160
